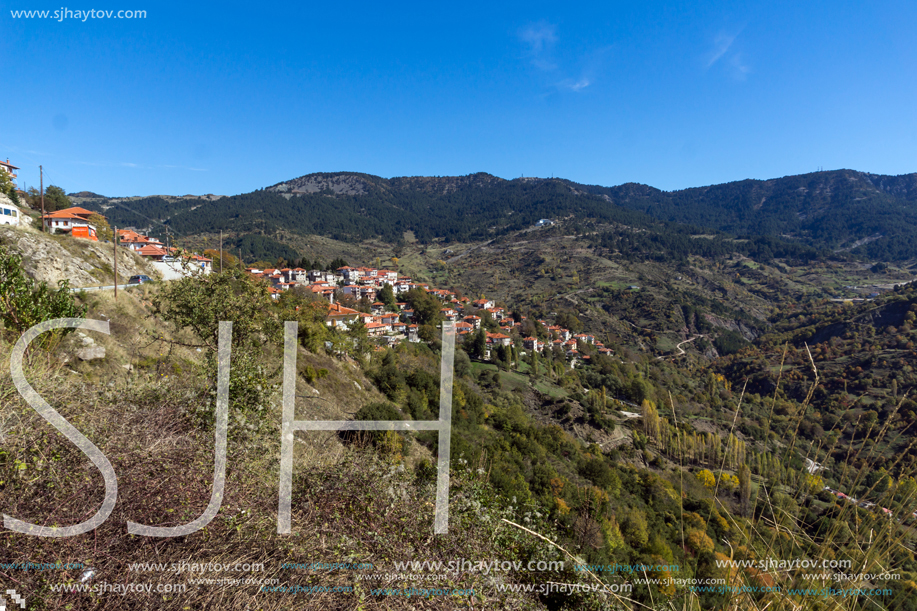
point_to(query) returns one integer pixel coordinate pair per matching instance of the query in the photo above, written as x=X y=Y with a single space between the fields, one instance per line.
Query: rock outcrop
x=83 y=263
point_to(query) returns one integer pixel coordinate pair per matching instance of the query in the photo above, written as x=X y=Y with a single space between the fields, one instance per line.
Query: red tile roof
x=151 y=251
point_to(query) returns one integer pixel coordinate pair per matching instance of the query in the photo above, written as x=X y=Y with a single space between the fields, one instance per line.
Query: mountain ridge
x=871 y=215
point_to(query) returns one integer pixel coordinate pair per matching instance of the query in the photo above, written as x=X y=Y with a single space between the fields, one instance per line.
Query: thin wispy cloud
x=182 y=167
x=128 y=164
x=721 y=46
x=739 y=69
x=539 y=39
x=21 y=151
x=572 y=85
x=94 y=164
x=724 y=52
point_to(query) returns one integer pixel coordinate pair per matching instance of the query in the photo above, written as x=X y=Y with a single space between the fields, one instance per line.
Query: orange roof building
x=74 y=221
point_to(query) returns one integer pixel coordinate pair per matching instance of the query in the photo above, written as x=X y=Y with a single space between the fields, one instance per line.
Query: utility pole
x=114 y=240
x=41 y=171
x=221 y=251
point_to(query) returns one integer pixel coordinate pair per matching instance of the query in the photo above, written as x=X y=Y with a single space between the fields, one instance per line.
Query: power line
x=152 y=220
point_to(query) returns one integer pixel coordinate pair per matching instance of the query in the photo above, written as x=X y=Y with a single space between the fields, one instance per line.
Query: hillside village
x=541 y=367
x=353 y=292
x=353 y=295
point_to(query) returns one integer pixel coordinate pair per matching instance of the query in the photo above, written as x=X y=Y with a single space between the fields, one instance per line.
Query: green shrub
x=25 y=303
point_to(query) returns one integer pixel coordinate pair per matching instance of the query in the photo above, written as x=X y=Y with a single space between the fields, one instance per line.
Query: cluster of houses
x=394 y=325
x=864 y=504
x=73 y=221
x=358 y=282
x=76 y=222
x=155 y=251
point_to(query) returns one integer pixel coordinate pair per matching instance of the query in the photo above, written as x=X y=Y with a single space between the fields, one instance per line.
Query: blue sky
x=233 y=97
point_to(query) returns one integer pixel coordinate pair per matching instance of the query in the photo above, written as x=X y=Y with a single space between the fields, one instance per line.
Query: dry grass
x=348 y=506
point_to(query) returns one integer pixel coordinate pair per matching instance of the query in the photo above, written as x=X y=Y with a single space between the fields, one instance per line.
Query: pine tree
x=745 y=488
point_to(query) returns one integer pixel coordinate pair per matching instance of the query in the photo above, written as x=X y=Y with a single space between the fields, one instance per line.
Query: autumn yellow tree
x=699 y=541
x=706 y=478
x=103 y=229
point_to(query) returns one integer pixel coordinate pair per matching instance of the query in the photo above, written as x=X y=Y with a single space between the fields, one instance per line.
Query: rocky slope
x=52 y=258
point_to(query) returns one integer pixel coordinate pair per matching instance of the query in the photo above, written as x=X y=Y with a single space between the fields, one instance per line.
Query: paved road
x=110 y=287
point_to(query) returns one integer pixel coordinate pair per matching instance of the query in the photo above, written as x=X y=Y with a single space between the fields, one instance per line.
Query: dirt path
x=678 y=347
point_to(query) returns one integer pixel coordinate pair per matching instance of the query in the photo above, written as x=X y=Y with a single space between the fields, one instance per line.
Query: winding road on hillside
x=678 y=347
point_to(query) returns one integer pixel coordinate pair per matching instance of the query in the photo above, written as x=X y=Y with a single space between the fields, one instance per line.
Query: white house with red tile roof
x=349 y=274
x=154 y=253
x=139 y=242
x=532 y=343
x=317 y=275
x=376 y=329
x=324 y=290
x=341 y=317
x=442 y=294
x=74 y=221
x=499 y=338
x=9 y=168
x=497 y=313
x=483 y=304
x=474 y=321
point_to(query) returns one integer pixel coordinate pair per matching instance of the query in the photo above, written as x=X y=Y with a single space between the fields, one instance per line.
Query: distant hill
x=866 y=214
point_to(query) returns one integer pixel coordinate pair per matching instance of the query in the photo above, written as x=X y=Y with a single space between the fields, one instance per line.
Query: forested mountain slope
x=843 y=210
